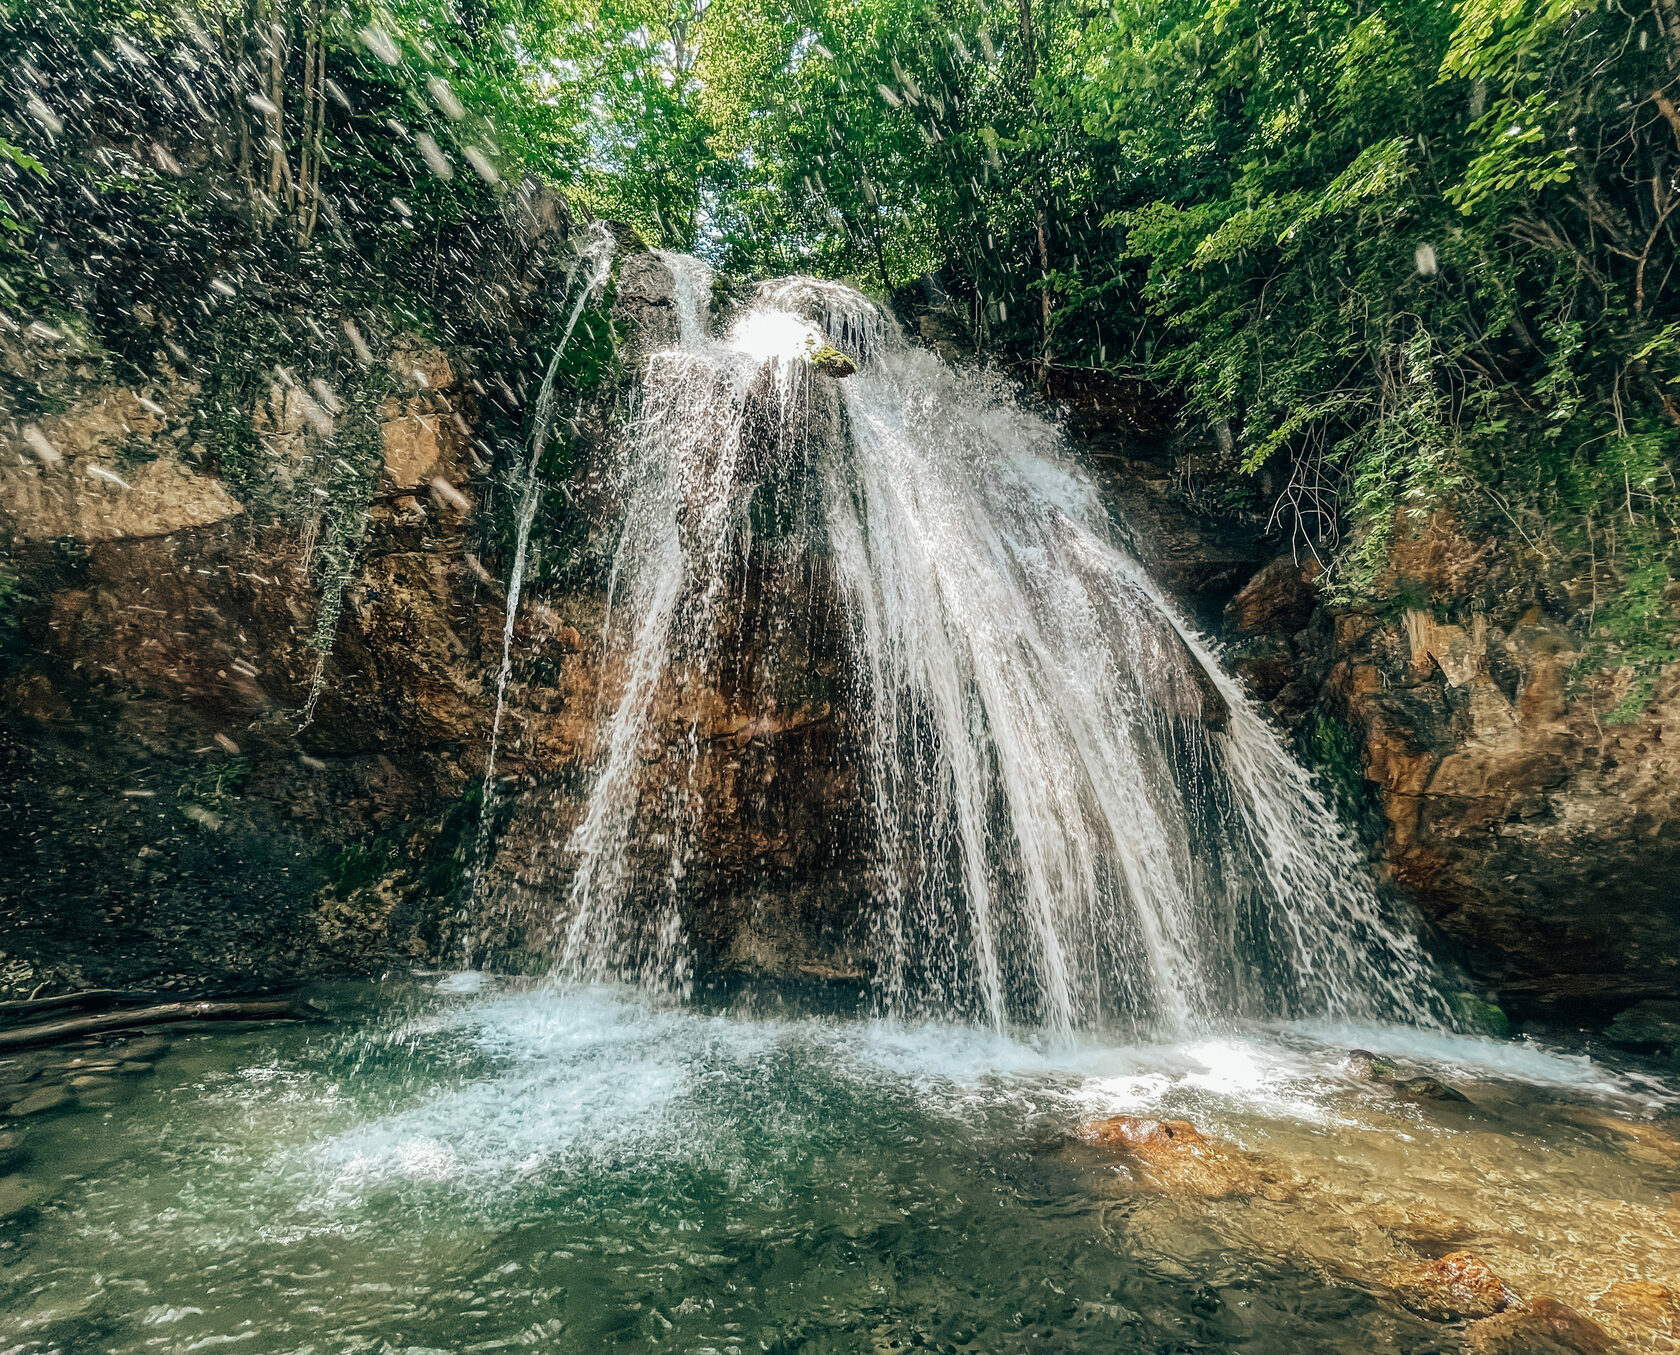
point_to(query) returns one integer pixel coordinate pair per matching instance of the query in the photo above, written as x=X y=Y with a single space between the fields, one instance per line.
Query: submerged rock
x=19 y=1193
x=1458 y=1285
x=1644 y=1304
x=1371 y=1067
x=1414 y=1226
x=1429 y=1089
x=1175 y=1157
x=51 y=1097
x=1654 y=1140
x=1542 y=1327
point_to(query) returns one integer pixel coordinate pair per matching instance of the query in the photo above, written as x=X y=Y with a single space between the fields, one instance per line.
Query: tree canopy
x=1391 y=253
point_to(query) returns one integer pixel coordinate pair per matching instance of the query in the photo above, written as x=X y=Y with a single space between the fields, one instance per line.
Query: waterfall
x=1075 y=816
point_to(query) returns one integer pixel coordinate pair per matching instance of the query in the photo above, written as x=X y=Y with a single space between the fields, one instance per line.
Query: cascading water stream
x=682 y=522
x=1076 y=817
x=595 y=254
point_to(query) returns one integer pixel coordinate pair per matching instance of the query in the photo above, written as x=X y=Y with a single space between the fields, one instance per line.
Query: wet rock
x=14 y=1073
x=1175 y=1157
x=1480 y=1014
x=1428 y=1089
x=645 y=305
x=1280 y=598
x=33 y=696
x=833 y=973
x=1184 y=689
x=422 y=432
x=417 y=363
x=1651 y=1027
x=107 y=468
x=70 y=500
x=1266 y=664
x=43 y=1099
x=1416 y=1227
x=413 y=445
x=19 y=1193
x=832 y=362
x=1511 y=801
x=1369 y=1067
x=1644 y=1304
x=144 y=1049
x=1458 y=1285
x=1202 y=694
x=86 y=1065
x=1654 y=1141
x=1541 y=1327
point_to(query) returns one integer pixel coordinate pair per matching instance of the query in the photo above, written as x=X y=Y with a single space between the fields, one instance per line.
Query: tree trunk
x=281 y=189
x=233 y=53
x=1029 y=49
x=314 y=124
x=1668 y=19
x=53 y=1032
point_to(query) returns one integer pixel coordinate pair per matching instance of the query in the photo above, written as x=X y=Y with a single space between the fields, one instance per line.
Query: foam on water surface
x=585 y=1077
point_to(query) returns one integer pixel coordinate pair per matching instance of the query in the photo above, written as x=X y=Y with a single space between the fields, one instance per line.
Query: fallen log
x=52 y=1032
x=108 y=997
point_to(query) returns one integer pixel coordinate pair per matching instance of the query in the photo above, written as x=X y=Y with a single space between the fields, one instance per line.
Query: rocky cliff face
x=182 y=811
x=1537 y=834
x=169 y=815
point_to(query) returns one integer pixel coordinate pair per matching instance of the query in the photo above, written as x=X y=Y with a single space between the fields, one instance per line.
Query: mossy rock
x=1479 y=1015
x=832 y=362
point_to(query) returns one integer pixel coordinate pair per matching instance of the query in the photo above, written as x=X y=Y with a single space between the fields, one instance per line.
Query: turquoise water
x=461 y=1167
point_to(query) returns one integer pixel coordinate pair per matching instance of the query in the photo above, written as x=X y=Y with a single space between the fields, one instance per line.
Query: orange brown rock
x=1542 y=1327
x=1175 y=1157
x=1458 y=1285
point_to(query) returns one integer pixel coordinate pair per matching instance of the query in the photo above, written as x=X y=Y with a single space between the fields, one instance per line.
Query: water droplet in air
x=378 y=41
x=481 y=165
x=433 y=155
x=444 y=98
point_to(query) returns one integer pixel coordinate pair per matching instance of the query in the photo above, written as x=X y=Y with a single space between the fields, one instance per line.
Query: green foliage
x=1411 y=255
x=436 y=848
x=356 y=456
x=359 y=864
x=1636 y=631
x=1333 y=750
x=211 y=786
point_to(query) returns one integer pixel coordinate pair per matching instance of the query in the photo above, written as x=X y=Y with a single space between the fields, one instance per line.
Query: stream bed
x=465 y=1165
